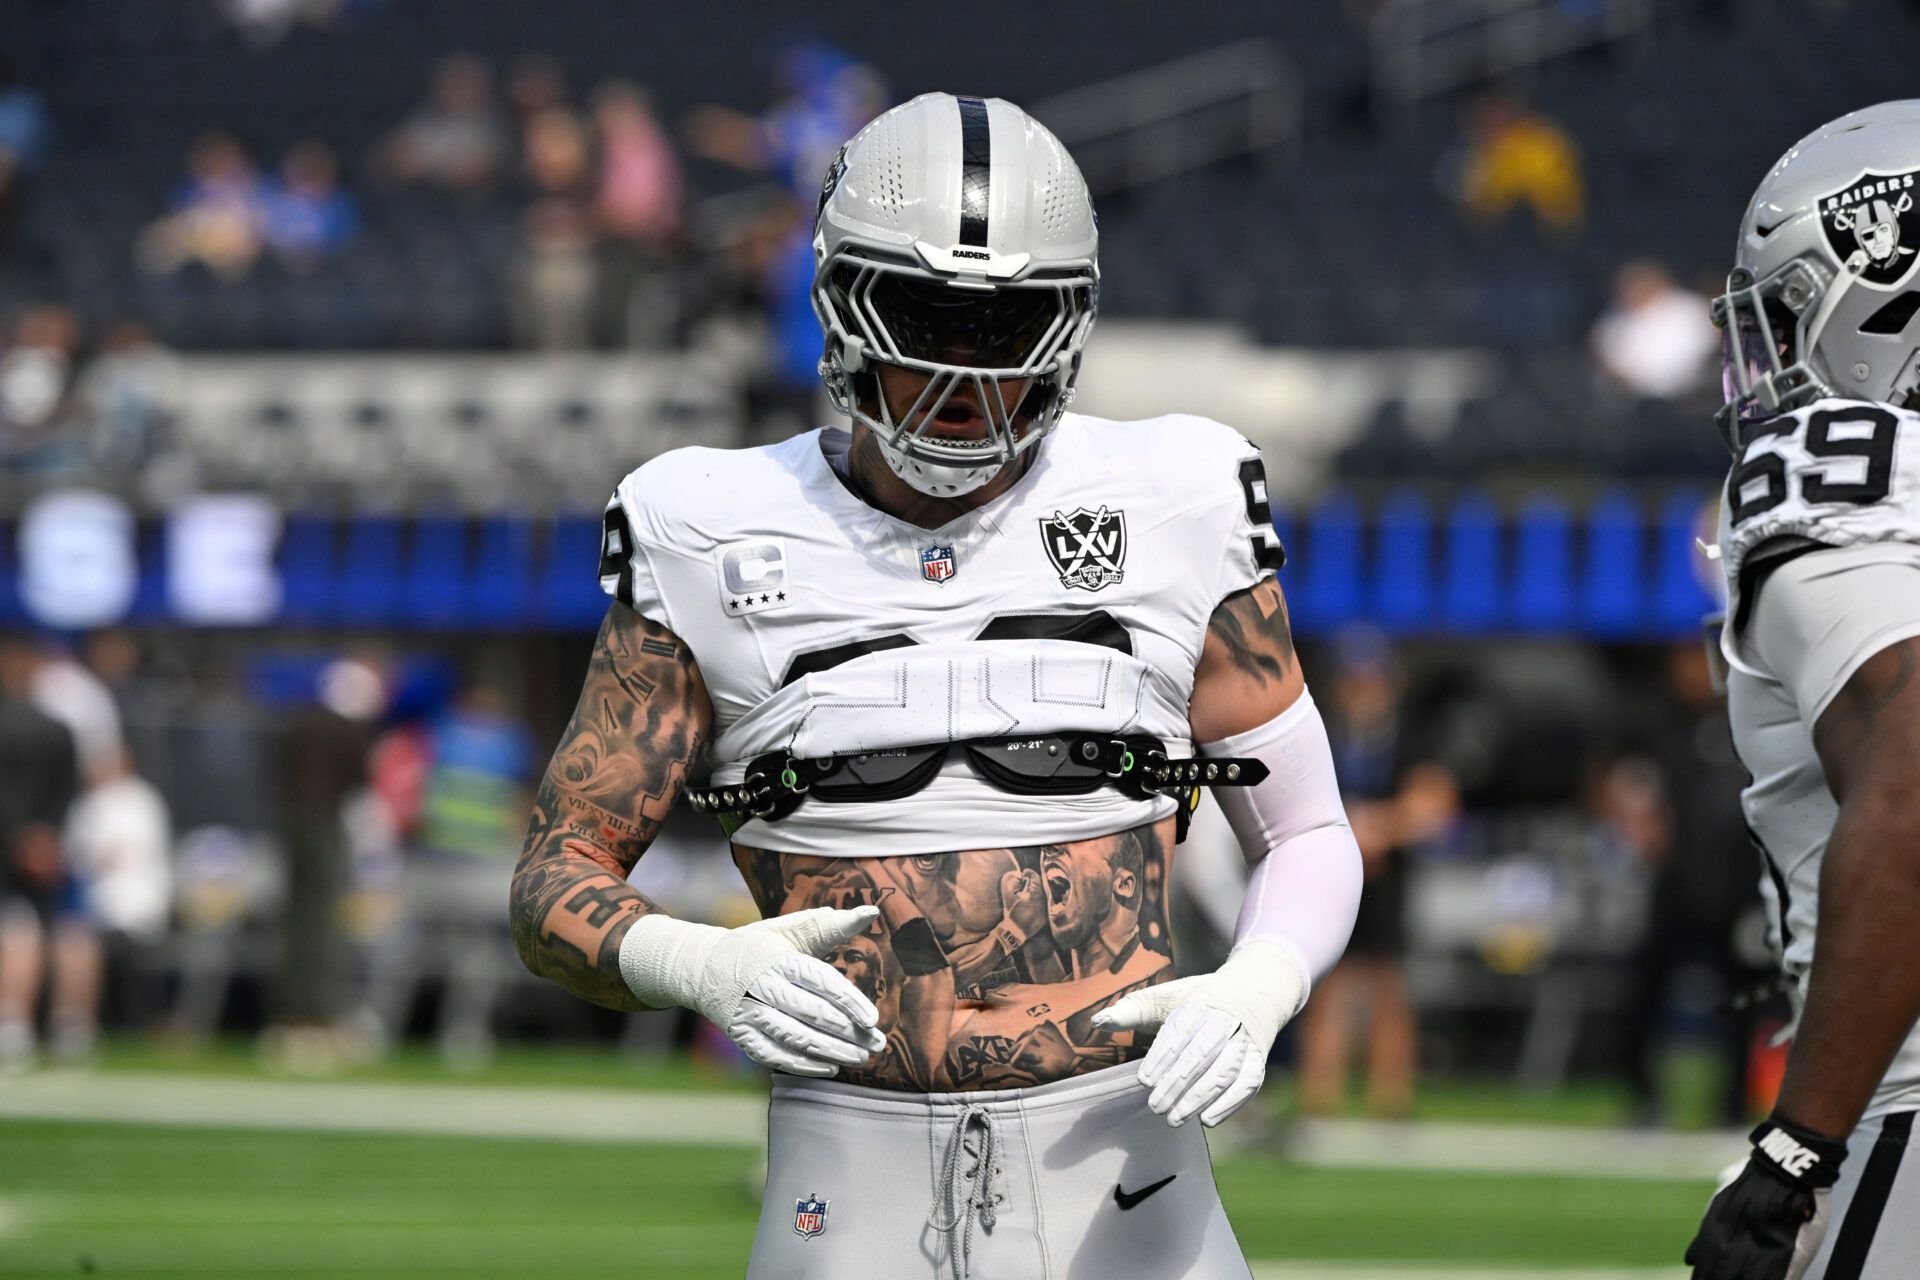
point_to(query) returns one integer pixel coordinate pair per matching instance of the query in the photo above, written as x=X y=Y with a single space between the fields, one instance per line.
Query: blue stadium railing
x=1622 y=567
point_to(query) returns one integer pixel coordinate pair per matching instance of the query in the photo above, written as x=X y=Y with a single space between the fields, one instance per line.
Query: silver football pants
x=1075 y=1180
x=1873 y=1220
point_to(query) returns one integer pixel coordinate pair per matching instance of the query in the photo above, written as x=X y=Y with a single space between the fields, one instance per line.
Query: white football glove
x=1215 y=1030
x=763 y=984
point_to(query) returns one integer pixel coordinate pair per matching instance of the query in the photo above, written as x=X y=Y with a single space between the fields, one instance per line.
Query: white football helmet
x=1822 y=300
x=955 y=238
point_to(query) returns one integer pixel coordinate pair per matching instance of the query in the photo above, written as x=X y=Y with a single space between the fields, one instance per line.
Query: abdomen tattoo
x=987 y=965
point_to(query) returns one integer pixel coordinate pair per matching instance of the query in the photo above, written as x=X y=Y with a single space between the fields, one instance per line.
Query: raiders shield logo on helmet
x=1088 y=548
x=1875 y=219
x=809 y=1216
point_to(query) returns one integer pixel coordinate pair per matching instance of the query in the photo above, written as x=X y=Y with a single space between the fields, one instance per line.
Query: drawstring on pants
x=979 y=1200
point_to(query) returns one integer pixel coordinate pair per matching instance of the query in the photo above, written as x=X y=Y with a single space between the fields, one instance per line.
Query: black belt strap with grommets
x=1054 y=764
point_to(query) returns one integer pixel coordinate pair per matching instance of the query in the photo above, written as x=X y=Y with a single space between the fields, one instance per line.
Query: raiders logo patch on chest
x=1088 y=548
x=1875 y=218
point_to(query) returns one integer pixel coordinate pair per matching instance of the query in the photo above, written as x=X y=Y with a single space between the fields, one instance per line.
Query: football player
x=941 y=676
x=1820 y=541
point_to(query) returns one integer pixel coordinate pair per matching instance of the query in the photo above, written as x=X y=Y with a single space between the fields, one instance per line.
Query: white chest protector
x=1835 y=474
x=1077 y=600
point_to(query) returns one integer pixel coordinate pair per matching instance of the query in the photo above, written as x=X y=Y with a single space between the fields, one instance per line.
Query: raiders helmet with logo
x=955 y=238
x=1823 y=300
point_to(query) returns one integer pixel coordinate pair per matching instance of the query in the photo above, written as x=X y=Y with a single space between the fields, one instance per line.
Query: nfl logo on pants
x=809 y=1217
x=936 y=563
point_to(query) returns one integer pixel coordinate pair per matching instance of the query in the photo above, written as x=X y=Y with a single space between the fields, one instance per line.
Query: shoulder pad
x=1834 y=474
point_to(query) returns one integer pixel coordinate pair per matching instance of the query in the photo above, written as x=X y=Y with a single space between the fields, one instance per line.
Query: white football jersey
x=1077 y=600
x=1838 y=483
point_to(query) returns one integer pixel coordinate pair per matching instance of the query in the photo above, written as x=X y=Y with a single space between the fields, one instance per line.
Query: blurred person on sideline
x=637 y=199
x=216 y=217
x=1655 y=340
x=455 y=791
x=322 y=767
x=309 y=217
x=36 y=377
x=456 y=140
x=1392 y=804
x=65 y=689
x=39 y=781
x=1510 y=157
x=1704 y=892
x=120 y=843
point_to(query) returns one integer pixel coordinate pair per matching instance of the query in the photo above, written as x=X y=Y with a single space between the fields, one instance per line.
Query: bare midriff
x=988 y=965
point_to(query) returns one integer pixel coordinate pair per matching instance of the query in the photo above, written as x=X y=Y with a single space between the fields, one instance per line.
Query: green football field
x=81 y=1197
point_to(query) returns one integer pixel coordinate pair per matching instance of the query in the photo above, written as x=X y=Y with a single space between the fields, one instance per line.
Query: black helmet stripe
x=976 y=171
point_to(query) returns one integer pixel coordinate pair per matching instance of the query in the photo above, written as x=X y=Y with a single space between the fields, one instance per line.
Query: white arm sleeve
x=1305 y=887
x=1821 y=615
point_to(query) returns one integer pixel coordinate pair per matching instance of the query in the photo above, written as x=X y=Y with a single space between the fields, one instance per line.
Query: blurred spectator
x=554 y=278
x=1706 y=897
x=128 y=395
x=24 y=138
x=824 y=96
x=556 y=158
x=1655 y=341
x=1393 y=804
x=217 y=216
x=638 y=203
x=36 y=374
x=639 y=187
x=308 y=216
x=456 y=139
x=39 y=779
x=1510 y=156
x=476 y=800
x=536 y=82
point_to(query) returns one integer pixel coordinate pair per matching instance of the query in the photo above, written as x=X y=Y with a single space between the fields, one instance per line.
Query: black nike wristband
x=1798 y=1154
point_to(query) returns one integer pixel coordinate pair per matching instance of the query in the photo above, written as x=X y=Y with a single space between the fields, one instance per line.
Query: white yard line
x=1512 y=1148
x=715 y=1119
x=1374 y=1271
x=579 y=1115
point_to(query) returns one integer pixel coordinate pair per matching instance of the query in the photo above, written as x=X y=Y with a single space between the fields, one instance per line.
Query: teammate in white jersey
x=1820 y=539
x=948 y=679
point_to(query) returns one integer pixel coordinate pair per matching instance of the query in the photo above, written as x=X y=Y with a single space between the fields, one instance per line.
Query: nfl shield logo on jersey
x=1088 y=548
x=809 y=1216
x=936 y=563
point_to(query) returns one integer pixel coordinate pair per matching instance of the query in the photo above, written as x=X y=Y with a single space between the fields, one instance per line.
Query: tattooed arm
x=1247 y=674
x=639 y=729
x=1865 y=991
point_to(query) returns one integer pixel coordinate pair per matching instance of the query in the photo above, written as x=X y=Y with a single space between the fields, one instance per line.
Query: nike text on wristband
x=1804 y=1156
